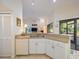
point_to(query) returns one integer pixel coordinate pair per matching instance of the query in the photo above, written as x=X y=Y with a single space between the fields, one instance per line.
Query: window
x=71 y=27
x=50 y=28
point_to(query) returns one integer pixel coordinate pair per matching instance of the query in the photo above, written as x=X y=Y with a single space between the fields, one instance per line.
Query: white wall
x=3 y=8
x=16 y=7
x=65 y=10
x=37 y=20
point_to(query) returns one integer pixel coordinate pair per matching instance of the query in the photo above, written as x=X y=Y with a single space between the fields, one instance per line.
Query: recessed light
x=33 y=3
x=54 y=1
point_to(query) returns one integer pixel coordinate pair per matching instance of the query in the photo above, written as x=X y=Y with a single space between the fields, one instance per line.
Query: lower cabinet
x=21 y=46
x=50 y=48
x=60 y=51
x=32 y=46
x=54 y=49
x=37 y=46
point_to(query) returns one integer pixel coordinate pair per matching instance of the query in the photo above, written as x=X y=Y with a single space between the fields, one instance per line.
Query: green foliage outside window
x=63 y=28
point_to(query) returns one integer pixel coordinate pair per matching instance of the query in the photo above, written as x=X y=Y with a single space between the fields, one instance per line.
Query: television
x=34 y=29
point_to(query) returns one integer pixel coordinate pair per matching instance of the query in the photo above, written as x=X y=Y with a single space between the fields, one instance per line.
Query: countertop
x=21 y=37
x=56 y=37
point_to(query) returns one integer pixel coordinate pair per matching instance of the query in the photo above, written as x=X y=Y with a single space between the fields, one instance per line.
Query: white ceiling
x=43 y=8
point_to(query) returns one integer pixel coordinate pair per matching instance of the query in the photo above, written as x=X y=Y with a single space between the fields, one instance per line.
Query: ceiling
x=43 y=8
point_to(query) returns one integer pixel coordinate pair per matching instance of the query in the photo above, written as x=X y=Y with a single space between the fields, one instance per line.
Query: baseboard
x=35 y=54
x=49 y=56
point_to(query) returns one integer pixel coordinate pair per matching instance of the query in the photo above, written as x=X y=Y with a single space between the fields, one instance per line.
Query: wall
x=37 y=20
x=3 y=8
x=65 y=10
x=16 y=7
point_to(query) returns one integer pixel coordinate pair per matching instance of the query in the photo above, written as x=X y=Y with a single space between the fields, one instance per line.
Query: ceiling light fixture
x=33 y=3
x=54 y=1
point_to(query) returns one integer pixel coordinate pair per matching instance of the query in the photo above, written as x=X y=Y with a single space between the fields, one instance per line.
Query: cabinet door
x=59 y=53
x=37 y=46
x=32 y=46
x=21 y=46
x=59 y=50
x=41 y=46
x=50 y=48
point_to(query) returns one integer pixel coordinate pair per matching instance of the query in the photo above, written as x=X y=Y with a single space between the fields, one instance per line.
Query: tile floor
x=30 y=57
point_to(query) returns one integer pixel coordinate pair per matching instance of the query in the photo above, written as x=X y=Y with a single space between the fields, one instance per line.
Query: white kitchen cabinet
x=21 y=46
x=56 y=49
x=41 y=46
x=37 y=46
x=60 y=51
x=50 y=48
x=32 y=46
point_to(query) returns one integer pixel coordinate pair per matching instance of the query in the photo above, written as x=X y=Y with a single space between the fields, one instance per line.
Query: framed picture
x=18 y=22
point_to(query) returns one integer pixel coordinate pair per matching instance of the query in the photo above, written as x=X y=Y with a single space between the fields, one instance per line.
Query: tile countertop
x=21 y=37
x=56 y=37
